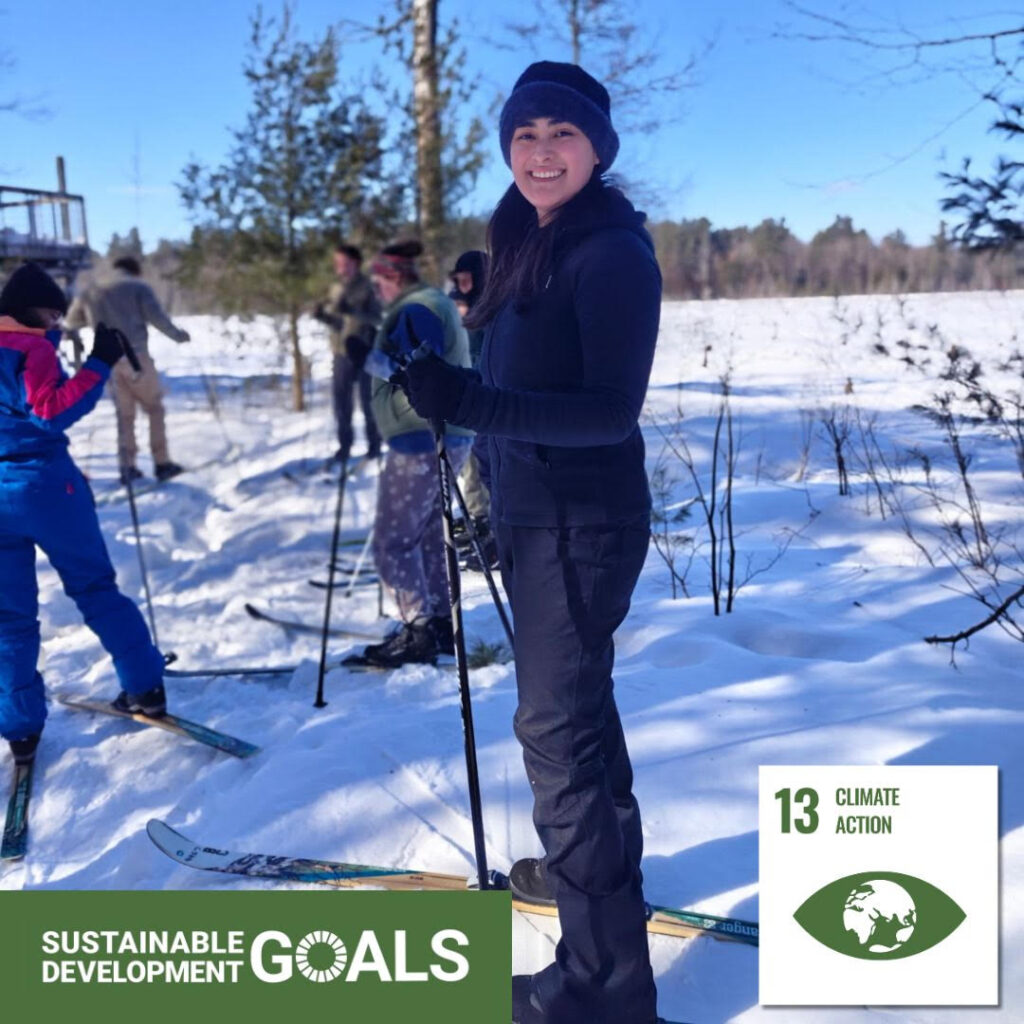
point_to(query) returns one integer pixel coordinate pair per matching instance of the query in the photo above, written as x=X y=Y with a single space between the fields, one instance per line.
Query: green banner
x=257 y=956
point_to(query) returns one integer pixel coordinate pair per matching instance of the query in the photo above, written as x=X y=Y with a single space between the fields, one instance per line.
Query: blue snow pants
x=47 y=503
x=570 y=588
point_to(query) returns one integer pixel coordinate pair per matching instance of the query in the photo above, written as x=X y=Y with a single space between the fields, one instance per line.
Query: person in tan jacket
x=130 y=305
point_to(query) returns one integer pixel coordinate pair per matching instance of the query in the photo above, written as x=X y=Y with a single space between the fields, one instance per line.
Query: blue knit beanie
x=563 y=92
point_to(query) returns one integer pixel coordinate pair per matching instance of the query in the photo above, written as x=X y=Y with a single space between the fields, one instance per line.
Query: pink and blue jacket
x=38 y=401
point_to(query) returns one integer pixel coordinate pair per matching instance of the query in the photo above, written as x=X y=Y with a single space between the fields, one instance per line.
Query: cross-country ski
x=15 y=835
x=118 y=493
x=344 y=582
x=297 y=626
x=661 y=920
x=248 y=670
x=170 y=723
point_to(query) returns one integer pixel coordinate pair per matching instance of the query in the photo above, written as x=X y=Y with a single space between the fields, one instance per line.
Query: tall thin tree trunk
x=298 y=370
x=292 y=270
x=575 y=29
x=426 y=104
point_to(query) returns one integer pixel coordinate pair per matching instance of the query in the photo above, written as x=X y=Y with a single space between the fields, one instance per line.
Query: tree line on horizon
x=320 y=158
x=698 y=261
x=317 y=160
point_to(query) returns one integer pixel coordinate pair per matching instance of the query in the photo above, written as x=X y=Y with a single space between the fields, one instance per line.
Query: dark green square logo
x=258 y=956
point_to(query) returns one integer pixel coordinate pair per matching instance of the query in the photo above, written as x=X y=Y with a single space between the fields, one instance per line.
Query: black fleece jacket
x=564 y=378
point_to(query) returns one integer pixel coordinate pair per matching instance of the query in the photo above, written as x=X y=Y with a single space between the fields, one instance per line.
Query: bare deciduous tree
x=990 y=209
x=645 y=84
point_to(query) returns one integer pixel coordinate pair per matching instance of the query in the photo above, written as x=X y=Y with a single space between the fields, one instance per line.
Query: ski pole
x=379 y=364
x=474 y=539
x=455 y=600
x=142 y=560
x=331 y=566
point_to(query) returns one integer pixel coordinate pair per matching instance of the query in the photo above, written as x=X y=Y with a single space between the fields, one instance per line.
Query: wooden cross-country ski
x=171 y=723
x=660 y=921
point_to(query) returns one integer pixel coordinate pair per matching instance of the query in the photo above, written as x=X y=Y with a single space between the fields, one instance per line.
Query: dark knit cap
x=563 y=92
x=30 y=286
x=475 y=262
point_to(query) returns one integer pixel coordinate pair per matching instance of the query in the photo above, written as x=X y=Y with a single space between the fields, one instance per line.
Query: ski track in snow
x=820 y=662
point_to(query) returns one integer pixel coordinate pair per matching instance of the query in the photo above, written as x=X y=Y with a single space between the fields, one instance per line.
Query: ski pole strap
x=129 y=352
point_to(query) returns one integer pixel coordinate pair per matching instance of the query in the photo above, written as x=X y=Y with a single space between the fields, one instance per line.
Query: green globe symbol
x=881 y=914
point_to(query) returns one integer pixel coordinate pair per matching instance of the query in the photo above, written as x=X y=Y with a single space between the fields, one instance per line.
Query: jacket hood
x=605 y=208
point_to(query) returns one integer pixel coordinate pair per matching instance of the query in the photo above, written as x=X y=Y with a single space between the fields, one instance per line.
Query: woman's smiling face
x=551 y=162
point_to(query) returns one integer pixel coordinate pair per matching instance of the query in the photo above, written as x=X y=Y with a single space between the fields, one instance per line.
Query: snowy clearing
x=820 y=662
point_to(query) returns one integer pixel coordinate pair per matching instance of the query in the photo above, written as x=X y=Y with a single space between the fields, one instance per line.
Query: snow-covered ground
x=820 y=662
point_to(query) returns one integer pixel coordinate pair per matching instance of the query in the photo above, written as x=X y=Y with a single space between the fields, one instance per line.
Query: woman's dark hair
x=522 y=252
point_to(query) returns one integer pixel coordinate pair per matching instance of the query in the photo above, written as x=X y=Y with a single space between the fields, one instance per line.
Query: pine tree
x=307 y=164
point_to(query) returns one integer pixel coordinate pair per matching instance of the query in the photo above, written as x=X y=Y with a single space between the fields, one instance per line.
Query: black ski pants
x=345 y=377
x=570 y=588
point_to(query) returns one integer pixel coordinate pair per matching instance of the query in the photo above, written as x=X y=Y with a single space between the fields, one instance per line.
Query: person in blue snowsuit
x=46 y=502
x=571 y=309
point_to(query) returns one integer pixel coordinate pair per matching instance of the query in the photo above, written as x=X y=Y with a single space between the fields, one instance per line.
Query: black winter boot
x=414 y=643
x=165 y=470
x=527 y=881
x=152 y=703
x=24 y=750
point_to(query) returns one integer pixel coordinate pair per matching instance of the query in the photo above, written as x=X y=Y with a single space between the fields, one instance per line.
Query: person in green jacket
x=408 y=543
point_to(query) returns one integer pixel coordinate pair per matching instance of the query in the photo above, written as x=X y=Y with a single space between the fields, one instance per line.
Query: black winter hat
x=30 y=286
x=475 y=262
x=564 y=92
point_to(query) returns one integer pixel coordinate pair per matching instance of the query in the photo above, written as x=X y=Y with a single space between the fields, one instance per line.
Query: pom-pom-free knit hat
x=563 y=92
x=31 y=286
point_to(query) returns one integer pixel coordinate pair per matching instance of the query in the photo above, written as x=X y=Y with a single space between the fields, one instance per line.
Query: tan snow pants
x=128 y=391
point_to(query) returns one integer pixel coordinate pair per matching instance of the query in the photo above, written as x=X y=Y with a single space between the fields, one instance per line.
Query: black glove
x=357 y=349
x=435 y=388
x=320 y=313
x=108 y=344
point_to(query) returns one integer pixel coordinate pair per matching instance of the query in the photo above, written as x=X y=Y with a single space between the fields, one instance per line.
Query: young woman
x=571 y=309
x=407 y=540
x=45 y=501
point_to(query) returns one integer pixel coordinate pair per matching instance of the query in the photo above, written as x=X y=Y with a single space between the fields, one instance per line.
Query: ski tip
x=163 y=835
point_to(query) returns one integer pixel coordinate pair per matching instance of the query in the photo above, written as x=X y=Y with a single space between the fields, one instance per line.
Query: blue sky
x=775 y=127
